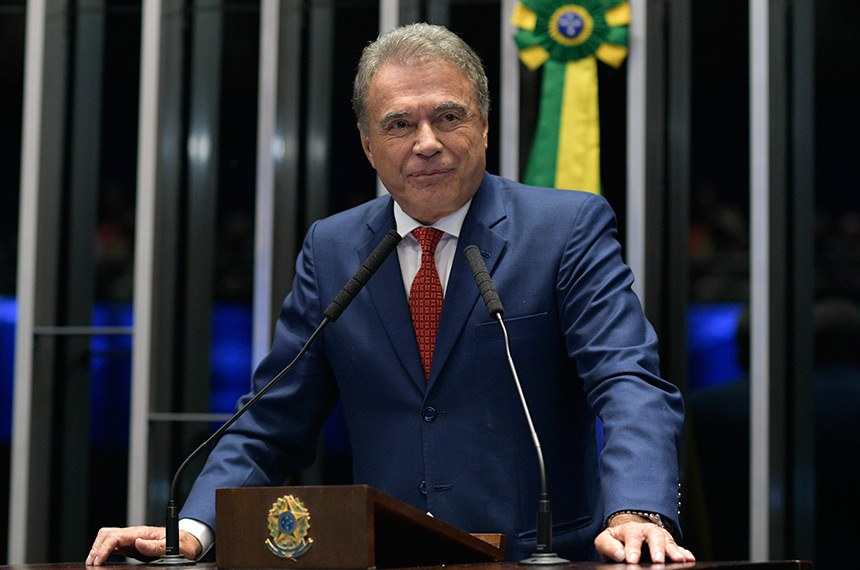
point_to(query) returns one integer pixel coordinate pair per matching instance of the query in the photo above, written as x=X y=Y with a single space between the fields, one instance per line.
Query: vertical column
x=678 y=178
x=202 y=158
x=389 y=18
x=667 y=164
x=161 y=144
x=389 y=15
x=637 y=116
x=45 y=84
x=264 y=230
x=74 y=366
x=286 y=241
x=318 y=150
x=768 y=281
x=144 y=261
x=438 y=12
x=653 y=212
x=802 y=208
x=509 y=104
x=782 y=477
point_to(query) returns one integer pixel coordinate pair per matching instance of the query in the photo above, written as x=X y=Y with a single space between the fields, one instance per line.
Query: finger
x=110 y=540
x=630 y=536
x=103 y=534
x=150 y=548
x=657 y=546
x=608 y=547
x=148 y=532
x=678 y=553
x=106 y=541
x=633 y=548
x=660 y=543
x=669 y=548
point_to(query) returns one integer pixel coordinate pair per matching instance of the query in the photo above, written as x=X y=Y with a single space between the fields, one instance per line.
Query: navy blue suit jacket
x=458 y=445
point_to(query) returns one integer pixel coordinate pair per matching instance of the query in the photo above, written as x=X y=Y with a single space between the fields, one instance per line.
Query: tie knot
x=427 y=238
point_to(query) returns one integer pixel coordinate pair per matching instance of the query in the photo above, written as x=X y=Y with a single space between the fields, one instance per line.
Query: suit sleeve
x=614 y=348
x=277 y=436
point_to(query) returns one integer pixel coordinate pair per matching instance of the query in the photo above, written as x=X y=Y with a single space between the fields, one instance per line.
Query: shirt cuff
x=201 y=532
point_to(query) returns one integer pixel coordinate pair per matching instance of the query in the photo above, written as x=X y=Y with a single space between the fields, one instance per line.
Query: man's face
x=425 y=137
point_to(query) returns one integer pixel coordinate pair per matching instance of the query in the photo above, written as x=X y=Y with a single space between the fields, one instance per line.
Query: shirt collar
x=450 y=224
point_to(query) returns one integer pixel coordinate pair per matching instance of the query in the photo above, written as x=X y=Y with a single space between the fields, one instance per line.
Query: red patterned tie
x=425 y=296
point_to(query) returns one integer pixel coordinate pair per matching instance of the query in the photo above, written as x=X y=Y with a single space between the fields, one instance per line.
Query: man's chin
x=432 y=178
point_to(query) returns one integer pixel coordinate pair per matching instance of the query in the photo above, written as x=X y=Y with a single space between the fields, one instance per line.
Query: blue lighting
x=8 y=318
x=110 y=383
x=712 y=351
x=230 y=358
x=712 y=354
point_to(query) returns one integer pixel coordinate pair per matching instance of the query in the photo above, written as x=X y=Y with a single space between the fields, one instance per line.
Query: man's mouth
x=430 y=173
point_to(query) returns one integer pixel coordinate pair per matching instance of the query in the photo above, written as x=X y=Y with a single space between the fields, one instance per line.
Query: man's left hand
x=627 y=535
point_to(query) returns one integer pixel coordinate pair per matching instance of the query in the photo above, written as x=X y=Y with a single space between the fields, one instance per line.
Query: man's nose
x=426 y=141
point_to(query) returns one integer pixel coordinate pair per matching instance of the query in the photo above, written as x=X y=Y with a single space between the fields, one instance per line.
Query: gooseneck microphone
x=172 y=555
x=543 y=554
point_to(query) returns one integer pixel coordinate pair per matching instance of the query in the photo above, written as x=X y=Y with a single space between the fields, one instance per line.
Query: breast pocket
x=529 y=326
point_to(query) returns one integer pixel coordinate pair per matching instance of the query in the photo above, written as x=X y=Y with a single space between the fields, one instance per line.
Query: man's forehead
x=430 y=73
x=441 y=107
x=420 y=97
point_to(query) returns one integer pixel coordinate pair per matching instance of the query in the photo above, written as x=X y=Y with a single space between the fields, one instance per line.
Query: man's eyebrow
x=441 y=107
x=392 y=116
x=452 y=106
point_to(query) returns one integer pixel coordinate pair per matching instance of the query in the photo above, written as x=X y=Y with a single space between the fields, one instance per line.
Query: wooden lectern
x=348 y=526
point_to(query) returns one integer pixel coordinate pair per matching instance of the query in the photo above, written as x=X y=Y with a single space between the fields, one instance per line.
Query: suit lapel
x=461 y=294
x=389 y=298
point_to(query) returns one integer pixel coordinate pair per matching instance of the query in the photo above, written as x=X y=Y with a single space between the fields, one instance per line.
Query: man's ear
x=365 y=144
x=486 y=134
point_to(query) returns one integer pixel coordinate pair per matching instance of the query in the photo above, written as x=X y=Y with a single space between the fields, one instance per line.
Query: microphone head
x=483 y=280
x=362 y=275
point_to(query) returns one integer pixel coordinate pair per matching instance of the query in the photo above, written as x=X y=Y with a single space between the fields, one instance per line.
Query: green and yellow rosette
x=567 y=38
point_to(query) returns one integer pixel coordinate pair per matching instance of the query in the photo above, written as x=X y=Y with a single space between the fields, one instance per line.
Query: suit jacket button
x=429 y=414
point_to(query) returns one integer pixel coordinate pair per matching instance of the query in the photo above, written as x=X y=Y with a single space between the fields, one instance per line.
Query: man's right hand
x=144 y=543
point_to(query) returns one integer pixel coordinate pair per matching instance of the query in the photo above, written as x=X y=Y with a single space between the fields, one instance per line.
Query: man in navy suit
x=450 y=437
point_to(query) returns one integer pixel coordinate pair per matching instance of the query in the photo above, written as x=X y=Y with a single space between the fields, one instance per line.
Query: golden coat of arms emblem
x=289 y=522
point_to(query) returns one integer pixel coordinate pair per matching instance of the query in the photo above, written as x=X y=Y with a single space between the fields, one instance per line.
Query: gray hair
x=416 y=43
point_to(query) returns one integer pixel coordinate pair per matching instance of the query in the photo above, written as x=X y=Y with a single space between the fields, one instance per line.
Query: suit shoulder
x=541 y=193
x=353 y=221
x=550 y=202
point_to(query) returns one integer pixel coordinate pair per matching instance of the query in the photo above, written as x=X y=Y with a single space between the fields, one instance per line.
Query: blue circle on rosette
x=287 y=523
x=570 y=24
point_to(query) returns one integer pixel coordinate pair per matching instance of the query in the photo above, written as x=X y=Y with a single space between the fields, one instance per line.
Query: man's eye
x=447 y=121
x=397 y=125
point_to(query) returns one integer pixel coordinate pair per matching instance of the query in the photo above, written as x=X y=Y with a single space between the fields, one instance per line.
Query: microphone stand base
x=544 y=559
x=172 y=560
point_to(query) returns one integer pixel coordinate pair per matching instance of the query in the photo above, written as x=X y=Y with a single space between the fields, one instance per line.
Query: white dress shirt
x=409 y=251
x=201 y=532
